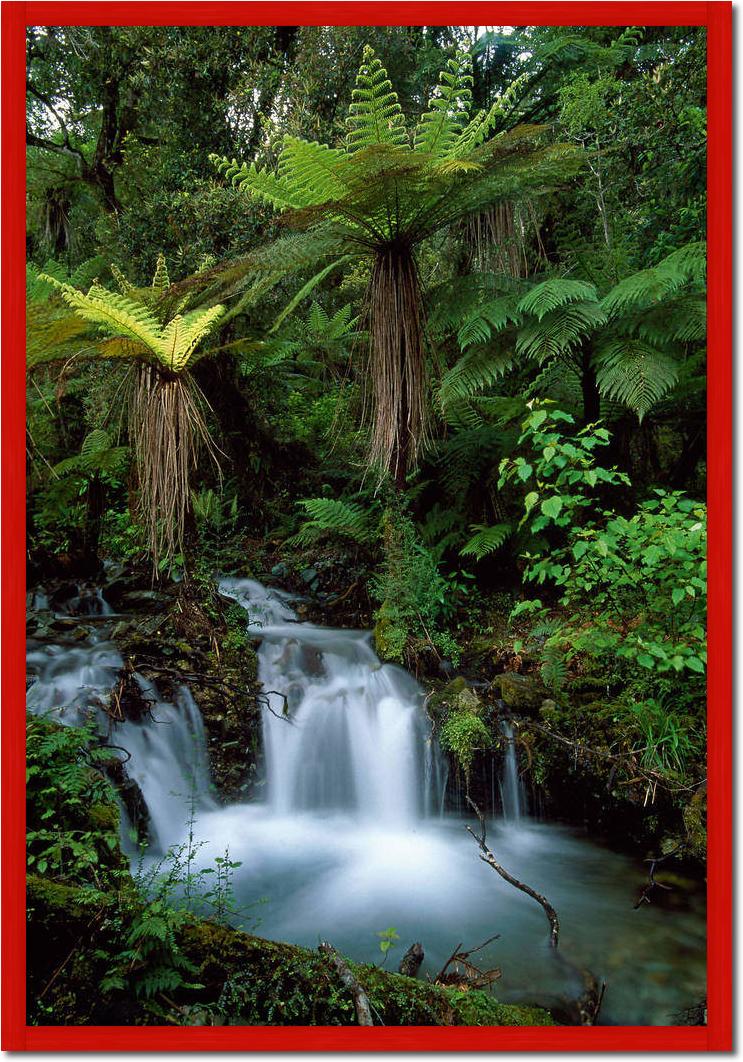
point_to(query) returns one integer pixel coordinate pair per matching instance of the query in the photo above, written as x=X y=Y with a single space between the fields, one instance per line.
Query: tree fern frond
x=280 y=192
x=483 y=123
x=124 y=286
x=489 y=317
x=559 y=331
x=651 y=286
x=547 y=296
x=331 y=515
x=441 y=125
x=160 y=279
x=634 y=373
x=486 y=540
x=479 y=367
x=115 y=313
x=374 y=115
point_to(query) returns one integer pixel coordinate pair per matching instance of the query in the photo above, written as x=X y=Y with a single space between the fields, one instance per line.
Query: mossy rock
x=455 y=696
x=520 y=693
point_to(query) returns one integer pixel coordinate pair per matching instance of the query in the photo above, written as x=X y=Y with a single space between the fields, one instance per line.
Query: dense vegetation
x=413 y=320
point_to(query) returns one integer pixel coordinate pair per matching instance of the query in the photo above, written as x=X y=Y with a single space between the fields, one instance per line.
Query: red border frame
x=717 y=16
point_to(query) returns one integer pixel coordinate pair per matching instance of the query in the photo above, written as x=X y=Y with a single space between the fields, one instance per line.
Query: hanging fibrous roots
x=168 y=428
x=496 y=238
x=396 y=403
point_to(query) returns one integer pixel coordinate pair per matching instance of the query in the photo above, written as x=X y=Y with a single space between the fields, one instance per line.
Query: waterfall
x=343 y=732
x=511 y=787
x=349 y=836
x=72 y=683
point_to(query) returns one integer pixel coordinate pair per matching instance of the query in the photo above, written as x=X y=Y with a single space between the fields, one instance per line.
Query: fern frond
x=279 y=192
x=333 y=516
x=375 y=115
x=486 y=540
x=116 y=313
x=651 y=286
x=547 y=296
x=478 y=368
x=441 y=125
x=559 y=331
x=490 y=317
x=160 y=280
x=634 y=373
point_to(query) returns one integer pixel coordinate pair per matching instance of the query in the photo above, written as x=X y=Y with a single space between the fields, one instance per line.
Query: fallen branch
x=488 y=857
x=360 y=998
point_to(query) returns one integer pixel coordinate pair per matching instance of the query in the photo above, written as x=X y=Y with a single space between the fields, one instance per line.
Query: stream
x=349 y=835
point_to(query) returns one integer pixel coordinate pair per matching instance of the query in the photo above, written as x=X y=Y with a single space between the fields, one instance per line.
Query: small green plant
x=387 y=940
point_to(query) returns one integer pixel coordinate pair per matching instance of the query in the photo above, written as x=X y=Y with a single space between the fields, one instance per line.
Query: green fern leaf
x=547 y=296
x=634 y=373
x=448 y=109
x=486 y=540
x=375 y=115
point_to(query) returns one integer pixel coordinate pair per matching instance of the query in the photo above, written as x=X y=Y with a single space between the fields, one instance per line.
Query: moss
x=104 y=817
x=521 y=693
x=479 y=1008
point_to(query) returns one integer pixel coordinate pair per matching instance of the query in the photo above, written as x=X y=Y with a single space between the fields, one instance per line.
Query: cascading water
x=342 y=732
x=72 y=683
x=348 y=836
x=511 y=787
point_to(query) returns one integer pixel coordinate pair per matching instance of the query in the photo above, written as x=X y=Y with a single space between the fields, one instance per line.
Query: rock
x=456 y=696
x=520 y=693
x=280 y=570
x=141 y=599
x=548 y=711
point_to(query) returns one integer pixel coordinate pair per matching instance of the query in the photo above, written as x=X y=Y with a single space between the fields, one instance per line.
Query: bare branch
x=488 y=857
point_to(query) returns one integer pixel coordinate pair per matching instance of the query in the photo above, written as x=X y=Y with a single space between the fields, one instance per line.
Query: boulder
x=520 y=693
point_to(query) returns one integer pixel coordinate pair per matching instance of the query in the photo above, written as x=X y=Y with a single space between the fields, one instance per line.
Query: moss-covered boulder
x=520 y=693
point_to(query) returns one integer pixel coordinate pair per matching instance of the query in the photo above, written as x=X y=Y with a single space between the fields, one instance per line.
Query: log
x=360 y=998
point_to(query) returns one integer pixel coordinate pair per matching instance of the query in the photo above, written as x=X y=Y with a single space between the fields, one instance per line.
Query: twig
x=488 y=857
x=360 y=998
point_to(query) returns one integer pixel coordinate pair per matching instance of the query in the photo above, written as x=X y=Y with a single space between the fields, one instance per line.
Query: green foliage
x=462 y=734
x=486 y=540
x=387 y=940
x=337 y=517
x=416 y=597
x=72 y=824
x=631 y=588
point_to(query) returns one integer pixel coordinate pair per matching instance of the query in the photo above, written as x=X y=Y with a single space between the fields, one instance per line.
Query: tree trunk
x=397 y=397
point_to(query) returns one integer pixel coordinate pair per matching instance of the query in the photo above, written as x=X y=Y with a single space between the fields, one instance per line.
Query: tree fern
x=378 y=197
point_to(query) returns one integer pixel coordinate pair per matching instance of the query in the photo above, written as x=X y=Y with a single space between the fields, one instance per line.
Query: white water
x=512 y=795
x=72 y=684
x=344 y=732
x=349 y=838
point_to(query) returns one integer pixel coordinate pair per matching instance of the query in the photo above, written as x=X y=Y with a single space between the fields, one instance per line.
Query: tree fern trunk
x=397 y=384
